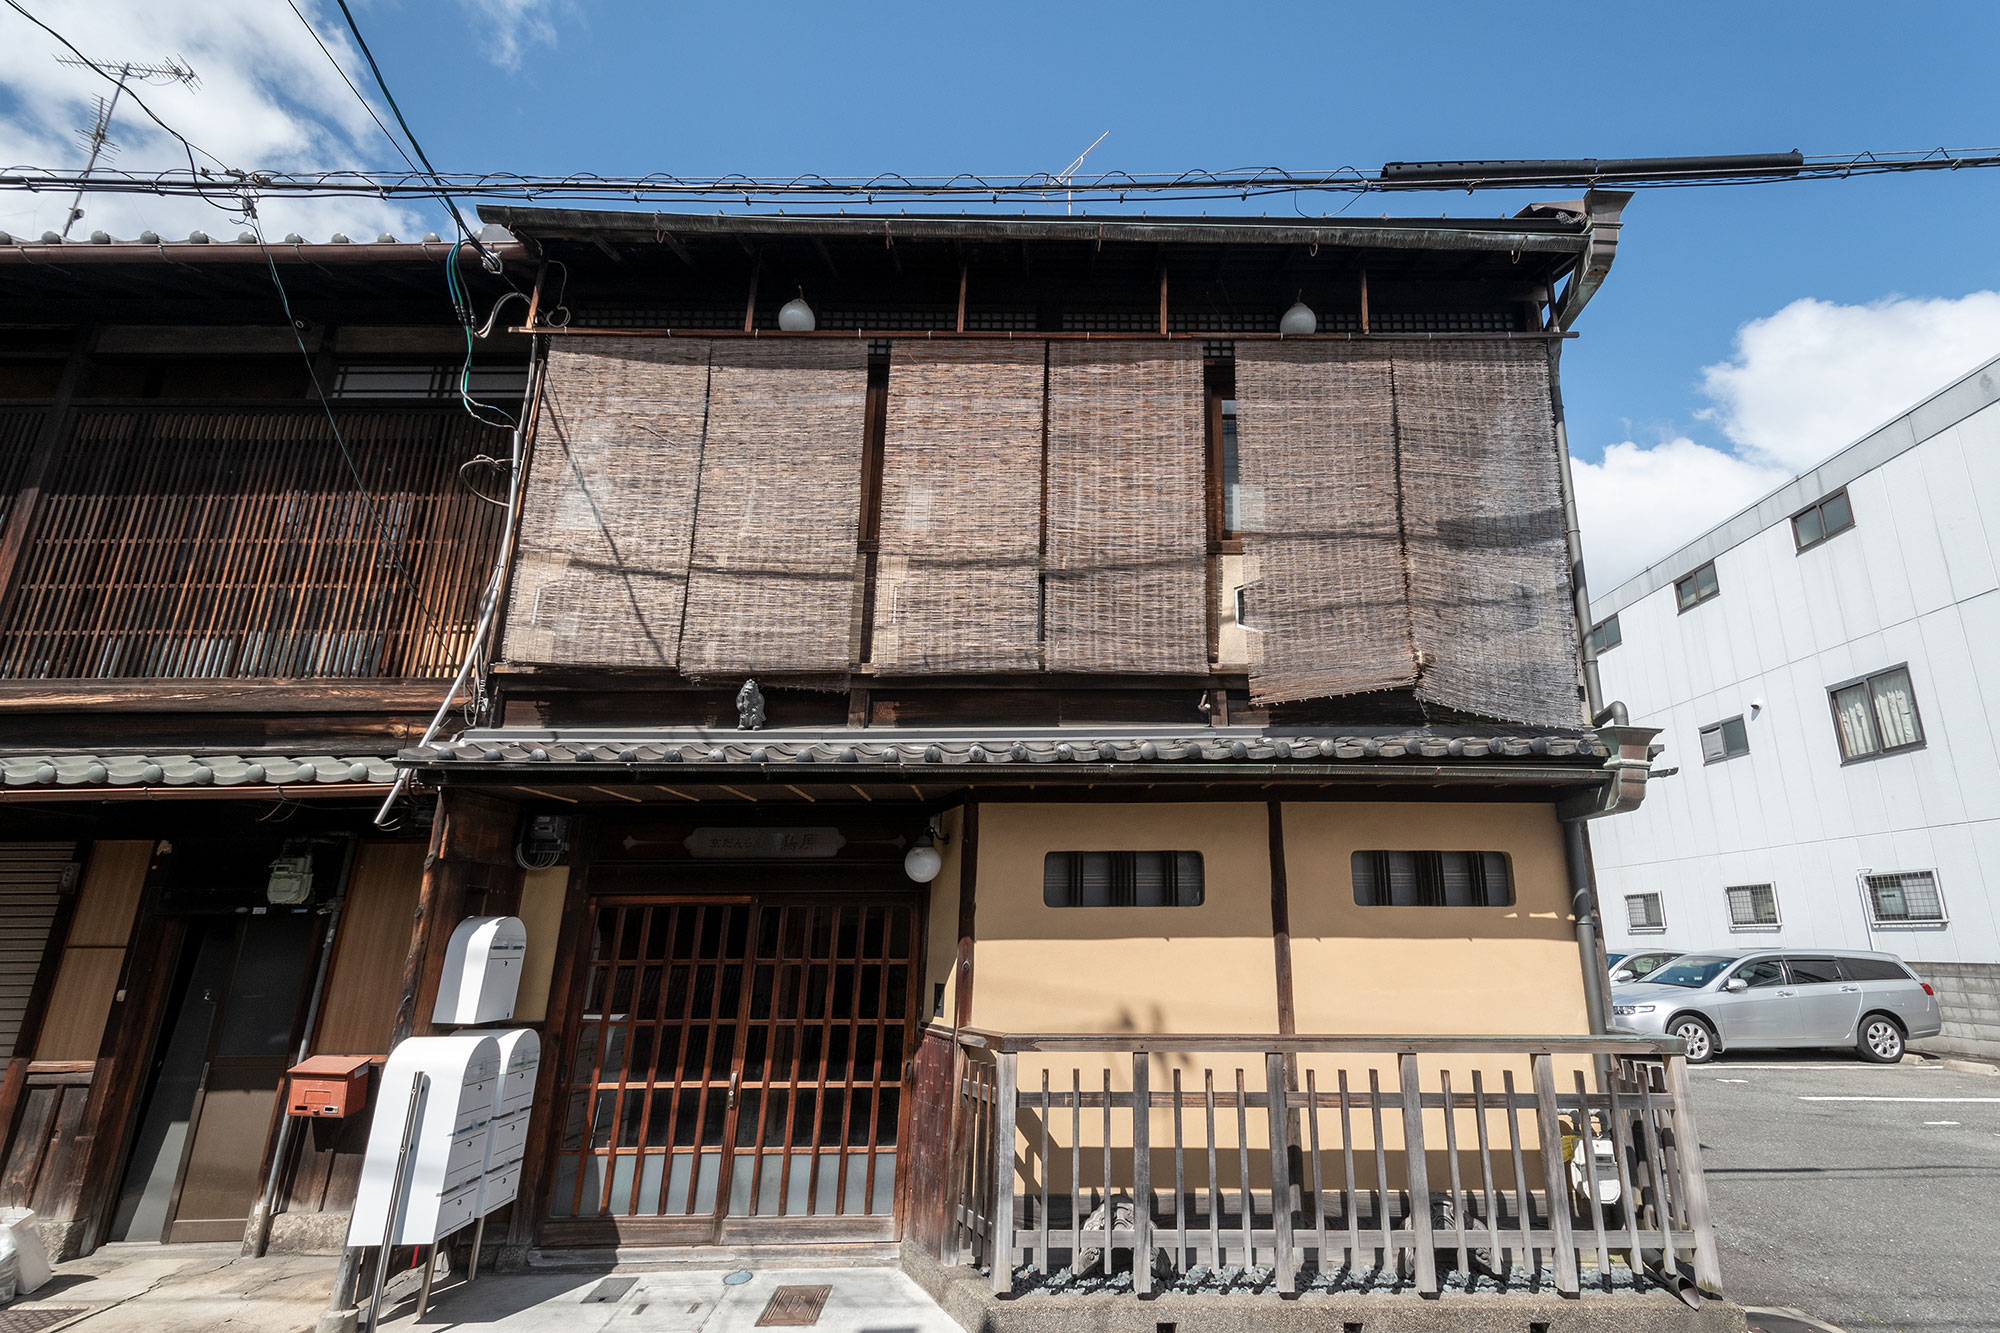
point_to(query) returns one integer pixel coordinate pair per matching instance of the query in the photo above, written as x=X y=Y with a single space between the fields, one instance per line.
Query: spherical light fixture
x=795 y=316
x=922 y=862
x=1299 y=319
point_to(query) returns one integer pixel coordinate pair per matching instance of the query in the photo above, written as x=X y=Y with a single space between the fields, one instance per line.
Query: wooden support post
x=1568 y=1280
x=968 y=877
x=1417 y=1176
x=961 y=296
x=1000 y=1238
x=1364 y=300
x=1275 y=1084
x=1142 y=1175
x=750 y=305
x=1687 y=1146
x=1163 y=300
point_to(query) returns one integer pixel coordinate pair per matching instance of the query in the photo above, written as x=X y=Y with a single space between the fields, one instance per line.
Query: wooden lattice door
x=737 y=1073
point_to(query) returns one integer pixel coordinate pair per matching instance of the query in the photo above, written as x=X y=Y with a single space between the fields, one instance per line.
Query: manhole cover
x=33 y=1321
x=794 y=1307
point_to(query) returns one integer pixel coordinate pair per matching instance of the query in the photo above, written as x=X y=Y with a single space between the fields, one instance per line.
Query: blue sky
x=774 y=89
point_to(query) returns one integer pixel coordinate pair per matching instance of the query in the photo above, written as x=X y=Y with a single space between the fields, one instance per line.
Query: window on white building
x=1752 y=907
x=1724 y=740
x=1826 y=518
x=1906 y=898
x=1696 y=588
x=1604 y=636
x=1877 y=715
x=1643 y=913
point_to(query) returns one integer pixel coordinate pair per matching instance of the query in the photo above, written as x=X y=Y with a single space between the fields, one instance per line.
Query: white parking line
x=1852 y=1066
x=1941 y=1122
x=1955 y=1099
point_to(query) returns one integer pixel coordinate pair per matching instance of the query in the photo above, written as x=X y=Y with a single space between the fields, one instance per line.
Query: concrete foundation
x=1969 y=996
x=965 y=1295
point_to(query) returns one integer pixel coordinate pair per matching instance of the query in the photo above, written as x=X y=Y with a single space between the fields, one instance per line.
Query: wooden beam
x=961 y=296
x=1163 y=298
x=819 y=244
x=750 y=305
x=1364 y=300
x=968 y=882
x=673 y=243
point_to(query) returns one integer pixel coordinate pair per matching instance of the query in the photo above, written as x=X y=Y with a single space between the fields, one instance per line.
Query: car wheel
x=1880 y=1040
x=1698 y=1036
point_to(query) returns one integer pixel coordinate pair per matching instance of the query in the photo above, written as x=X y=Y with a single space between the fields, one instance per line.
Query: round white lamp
x=1299 y=319
x=922 y=862
x=795 y=316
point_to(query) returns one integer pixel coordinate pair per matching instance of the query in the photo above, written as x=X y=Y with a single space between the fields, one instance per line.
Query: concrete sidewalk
x=147 y=1288
x=862 y=1300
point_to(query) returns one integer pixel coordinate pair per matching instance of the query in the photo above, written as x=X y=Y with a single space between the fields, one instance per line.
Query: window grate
x=1906 y=898
x=1432 y=879
x=1644 y=913
x=1122 y=879
x=1752 y=906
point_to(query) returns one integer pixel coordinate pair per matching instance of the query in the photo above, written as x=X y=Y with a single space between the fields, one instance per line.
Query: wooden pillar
x=566 y=989
x=968 y=874
x=1281 y=925
x=470 y=863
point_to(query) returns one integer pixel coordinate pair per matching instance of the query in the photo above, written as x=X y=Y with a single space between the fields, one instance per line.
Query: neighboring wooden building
x=1121 y=669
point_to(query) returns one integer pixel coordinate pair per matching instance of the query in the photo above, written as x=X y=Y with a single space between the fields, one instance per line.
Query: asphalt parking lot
x=1865 y=1195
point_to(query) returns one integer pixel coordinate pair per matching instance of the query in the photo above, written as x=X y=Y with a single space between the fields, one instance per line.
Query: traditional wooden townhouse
x=1019 y=738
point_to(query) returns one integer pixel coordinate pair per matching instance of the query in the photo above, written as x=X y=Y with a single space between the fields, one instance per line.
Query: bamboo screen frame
x=1483 y=520
x=1325 y=580
x=195 y=542
x=959 y=582
x=1127 y=533
x=775 y=569
x=1404 y=526
x=607 y=517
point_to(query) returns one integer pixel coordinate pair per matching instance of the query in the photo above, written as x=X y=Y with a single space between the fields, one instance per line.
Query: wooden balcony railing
x=1392 y=1161
x=209 y=541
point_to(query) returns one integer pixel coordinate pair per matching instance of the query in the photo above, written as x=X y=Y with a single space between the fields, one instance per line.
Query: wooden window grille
x=1432 y=879
x=180 y=542
x=1122 y=879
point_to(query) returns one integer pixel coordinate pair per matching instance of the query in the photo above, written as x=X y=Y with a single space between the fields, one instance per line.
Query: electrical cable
x=340 y=440
x=189 y=145
x=410 y=134
x=366 y=105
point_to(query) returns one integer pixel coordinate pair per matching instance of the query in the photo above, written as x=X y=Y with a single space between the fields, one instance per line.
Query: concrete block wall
x=1969 y=995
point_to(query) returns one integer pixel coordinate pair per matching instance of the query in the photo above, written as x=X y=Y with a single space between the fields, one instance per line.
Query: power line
x=1039 y=187
x=366 y=105
x=191 y=147
x=410 y=134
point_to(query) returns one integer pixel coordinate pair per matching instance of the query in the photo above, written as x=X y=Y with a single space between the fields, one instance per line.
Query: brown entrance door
x=737 y=1073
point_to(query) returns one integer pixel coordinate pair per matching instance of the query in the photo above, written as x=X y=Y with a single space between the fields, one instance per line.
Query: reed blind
x=772 y=582
x=1482 y=504
x=194 y=542
x=600 y=574
x=958 y=583
x=1322 y=542
x=1126 y=557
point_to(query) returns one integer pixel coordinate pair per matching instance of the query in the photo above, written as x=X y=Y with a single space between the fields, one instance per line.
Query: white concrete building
x=1826 y=670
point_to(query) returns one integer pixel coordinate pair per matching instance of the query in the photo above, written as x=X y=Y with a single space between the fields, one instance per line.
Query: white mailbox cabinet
x=471 y=1135
x=482 y=971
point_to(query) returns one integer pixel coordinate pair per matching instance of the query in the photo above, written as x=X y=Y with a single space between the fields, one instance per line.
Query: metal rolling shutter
x=32 y=875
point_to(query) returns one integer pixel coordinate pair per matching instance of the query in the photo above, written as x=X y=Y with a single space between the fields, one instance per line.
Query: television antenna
x=1068 y=173
x=97 y=140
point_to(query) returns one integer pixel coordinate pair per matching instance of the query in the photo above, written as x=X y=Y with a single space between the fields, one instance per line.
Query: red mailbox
x=328 y=1085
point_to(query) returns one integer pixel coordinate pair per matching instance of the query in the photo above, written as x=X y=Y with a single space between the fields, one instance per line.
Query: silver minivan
x=1739 y=999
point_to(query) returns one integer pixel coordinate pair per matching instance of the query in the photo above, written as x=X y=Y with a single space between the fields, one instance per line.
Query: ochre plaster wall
x=1131 y=969
x=1430 y=970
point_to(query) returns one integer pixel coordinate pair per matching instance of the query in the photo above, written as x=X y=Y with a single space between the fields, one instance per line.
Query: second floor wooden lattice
x=205 y=542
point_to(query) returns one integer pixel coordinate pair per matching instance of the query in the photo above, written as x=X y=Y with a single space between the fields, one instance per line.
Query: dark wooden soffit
x=221 y=696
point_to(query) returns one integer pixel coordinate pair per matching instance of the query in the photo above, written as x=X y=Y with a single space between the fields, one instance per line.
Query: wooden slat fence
x=185 y=542
x=1379 y=1161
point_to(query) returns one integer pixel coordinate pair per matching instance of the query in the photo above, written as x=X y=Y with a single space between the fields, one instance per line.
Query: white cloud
x=268 y=100
x=1803 y=384
x=511 y=26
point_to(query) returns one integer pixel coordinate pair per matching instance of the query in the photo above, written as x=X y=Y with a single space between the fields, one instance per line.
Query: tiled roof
x=190 y=770
x=753 y=748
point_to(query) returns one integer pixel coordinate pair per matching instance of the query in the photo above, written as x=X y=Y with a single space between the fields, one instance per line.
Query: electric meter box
x=482 y=971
